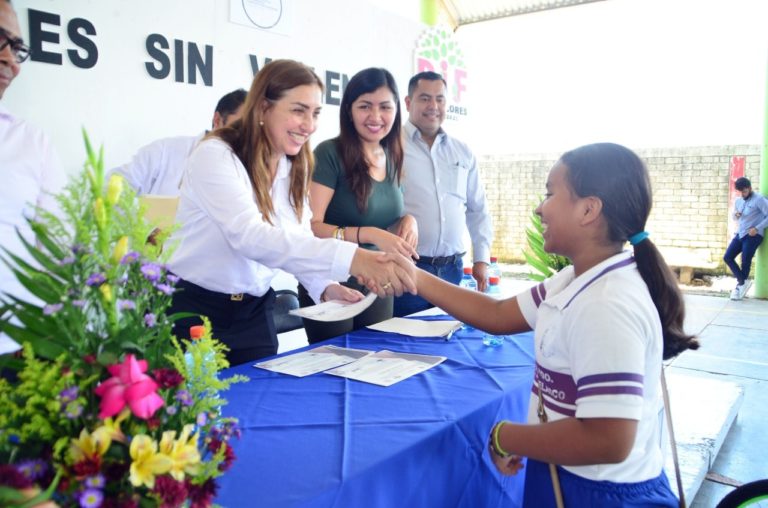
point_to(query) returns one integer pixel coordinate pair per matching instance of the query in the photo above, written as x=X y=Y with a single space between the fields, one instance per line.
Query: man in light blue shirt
x=751 y=210
x=442 y=189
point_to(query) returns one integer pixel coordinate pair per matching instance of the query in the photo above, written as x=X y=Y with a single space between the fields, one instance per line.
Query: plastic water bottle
x=493 y=286
x=494 y=271
x=195 y=334
x=467 y=281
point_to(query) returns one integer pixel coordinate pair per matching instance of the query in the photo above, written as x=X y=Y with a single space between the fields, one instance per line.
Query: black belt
x=441 y=260
x=215 y=295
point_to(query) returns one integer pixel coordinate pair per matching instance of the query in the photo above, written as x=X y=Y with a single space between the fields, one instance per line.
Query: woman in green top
x=355 y=192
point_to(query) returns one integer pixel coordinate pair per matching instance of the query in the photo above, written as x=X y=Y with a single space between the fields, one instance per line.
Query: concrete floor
x=734 y=338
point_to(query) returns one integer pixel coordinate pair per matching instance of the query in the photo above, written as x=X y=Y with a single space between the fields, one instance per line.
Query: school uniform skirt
x=244 y=323
x=579 y=492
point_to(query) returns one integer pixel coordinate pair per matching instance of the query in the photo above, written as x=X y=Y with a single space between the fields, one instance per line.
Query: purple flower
x=129 y=258
x=52 y=308
x=91 y=498
x=67 y=261
x=78 y=248
x=165 y=288
x=151 y=271
x=95 y=482
x=69 y=394
x=184 y=397
x=73 y=410
x=202 y=419
x=34 y=469
x=171 y=410
x=150 y=319
x=78 y=303
x=126 y=305
x=173 y=279
x=96 y=279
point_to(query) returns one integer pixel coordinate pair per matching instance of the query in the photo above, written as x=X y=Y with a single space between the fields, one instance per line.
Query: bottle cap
x=493 y=280
x=196 y=332
x=494 y=259
x=467 y=270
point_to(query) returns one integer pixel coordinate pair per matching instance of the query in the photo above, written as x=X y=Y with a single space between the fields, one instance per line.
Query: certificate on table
x=313 y=361
x=335 y=310
x=417 y=327
x=385 y=368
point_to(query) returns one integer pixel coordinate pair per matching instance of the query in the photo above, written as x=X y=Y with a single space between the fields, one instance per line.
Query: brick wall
x=689 y=220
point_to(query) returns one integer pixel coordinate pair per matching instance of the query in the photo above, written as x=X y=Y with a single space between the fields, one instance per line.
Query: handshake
x=385 y=273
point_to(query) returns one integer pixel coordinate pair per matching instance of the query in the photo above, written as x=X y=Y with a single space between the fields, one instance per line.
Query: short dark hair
x=742 y=183
x=427 y=76
x=230 y=102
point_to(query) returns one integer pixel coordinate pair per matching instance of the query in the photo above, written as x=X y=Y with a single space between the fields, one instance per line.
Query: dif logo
x=437 y=51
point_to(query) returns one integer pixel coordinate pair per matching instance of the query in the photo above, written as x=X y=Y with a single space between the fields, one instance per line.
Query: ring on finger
x=386 y=286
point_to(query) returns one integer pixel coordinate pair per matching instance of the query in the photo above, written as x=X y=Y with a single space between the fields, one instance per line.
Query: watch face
x=263 y=13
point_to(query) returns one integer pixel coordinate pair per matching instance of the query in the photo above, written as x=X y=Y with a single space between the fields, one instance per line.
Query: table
x=326 y=441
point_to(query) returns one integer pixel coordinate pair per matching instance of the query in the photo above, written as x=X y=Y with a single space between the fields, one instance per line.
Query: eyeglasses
x=18 y=48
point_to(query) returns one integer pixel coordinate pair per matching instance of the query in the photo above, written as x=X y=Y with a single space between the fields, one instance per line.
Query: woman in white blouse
x=244 y=214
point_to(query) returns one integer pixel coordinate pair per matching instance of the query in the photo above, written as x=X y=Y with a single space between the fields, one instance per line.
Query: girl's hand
x=339 y=292
x=508 y=466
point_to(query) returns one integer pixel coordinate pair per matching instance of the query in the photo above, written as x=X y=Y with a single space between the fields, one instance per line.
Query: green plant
x=543 y=262
x=106 y=404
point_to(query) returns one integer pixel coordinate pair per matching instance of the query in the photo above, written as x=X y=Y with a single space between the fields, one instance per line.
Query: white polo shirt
x=599 y=350
x=224 y=245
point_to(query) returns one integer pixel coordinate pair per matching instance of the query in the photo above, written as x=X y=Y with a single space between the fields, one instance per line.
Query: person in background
x=243 y=214
x=751 y=210
x=443 y=191
x=156 y=168
x=602 y=327
x=29 y=165
x=355 y=192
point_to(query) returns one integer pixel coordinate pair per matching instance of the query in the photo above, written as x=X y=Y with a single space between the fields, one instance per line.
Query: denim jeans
x=408 y=303
x=747 y=247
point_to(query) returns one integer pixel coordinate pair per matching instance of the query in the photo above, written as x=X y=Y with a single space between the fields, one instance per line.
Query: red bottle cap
x=196 y=332
x=494 y=259
x=493 y=280
x=467 y=270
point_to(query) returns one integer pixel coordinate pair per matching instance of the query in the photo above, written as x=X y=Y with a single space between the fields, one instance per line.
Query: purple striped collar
x=586 y=279
x=4 y=113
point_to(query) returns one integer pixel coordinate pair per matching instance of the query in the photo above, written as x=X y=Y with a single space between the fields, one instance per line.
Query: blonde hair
x=248 y=138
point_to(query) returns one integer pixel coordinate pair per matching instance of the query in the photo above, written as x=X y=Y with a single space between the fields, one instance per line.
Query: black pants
x=247 y=326
x=379 y=310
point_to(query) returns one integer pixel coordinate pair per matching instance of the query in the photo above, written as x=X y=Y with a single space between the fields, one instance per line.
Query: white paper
x=335 y=310
x=313 y=361
x=386 y=368
x=417 y=327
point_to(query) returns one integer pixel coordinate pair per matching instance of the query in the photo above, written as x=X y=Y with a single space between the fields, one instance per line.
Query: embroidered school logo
x=437 y=51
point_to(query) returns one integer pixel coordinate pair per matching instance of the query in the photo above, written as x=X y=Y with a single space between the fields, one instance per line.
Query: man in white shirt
x=156 y=168
x=442 y=189
x=28 y=164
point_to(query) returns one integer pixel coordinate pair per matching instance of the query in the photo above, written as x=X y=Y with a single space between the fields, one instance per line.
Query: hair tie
x=638 y=237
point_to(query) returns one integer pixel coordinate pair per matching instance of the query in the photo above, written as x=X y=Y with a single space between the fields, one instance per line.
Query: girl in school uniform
x=244 y=214
x=602 y=327
x=355 y=192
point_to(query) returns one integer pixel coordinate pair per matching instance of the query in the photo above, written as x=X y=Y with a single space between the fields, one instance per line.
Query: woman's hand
x=510 y=465
x=339 y=292
x=408 y=230
x=384 y=274
x=388 y=242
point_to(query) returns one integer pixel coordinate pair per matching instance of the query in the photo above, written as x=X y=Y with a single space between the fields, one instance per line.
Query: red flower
x=168 y=378
x=201 y=496
x=12 y=477
x=88 y=467
x=129 y=385
x=229 y=453
x=172 y=493
x=89 y=359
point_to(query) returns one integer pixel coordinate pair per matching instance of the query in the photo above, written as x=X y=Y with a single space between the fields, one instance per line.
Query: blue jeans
x=747 y=247
x=408 y=303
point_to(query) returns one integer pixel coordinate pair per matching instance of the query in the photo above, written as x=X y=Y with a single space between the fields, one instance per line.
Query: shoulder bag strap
x=542 y=413
x=672 y=442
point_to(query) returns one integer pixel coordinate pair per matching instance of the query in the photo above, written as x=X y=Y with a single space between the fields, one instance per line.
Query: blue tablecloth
x=326 y=441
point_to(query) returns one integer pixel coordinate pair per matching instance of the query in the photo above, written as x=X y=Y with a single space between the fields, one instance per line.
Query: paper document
x=160 y=210
x=386 y=368
x=335 y=310
x=417 y=327
x=313 y=361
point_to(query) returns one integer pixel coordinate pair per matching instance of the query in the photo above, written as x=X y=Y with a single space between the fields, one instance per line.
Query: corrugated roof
x=464 y=12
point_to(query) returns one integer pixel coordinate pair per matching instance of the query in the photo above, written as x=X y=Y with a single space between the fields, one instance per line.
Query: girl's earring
x=261 y=123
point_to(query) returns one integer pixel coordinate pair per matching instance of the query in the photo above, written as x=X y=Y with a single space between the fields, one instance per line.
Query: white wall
x=124 y=108
x=646 y=73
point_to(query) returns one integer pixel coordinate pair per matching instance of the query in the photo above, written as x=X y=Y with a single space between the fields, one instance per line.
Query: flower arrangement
x=104 y=407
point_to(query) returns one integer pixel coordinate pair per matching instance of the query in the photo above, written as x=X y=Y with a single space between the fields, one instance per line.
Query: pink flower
x=129 y=385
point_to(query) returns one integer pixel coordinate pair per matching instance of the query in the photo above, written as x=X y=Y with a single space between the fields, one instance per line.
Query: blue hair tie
x=638 y=237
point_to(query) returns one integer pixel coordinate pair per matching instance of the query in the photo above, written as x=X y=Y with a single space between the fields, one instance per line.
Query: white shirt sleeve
x=479 y=222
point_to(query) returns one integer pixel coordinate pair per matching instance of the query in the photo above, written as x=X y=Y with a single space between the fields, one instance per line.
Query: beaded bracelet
x=495 y=445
